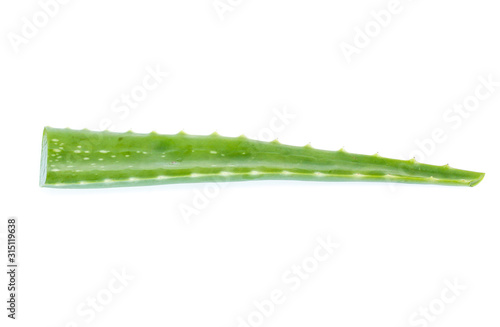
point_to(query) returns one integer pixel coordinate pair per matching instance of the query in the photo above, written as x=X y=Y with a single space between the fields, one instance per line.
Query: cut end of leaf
x=477 y=180
x=43 y=159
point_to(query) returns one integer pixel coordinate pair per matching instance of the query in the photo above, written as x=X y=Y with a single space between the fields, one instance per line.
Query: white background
x=398 y=243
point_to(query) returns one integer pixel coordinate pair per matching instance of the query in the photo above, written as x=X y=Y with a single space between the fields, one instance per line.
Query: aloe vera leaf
x=90 y=159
